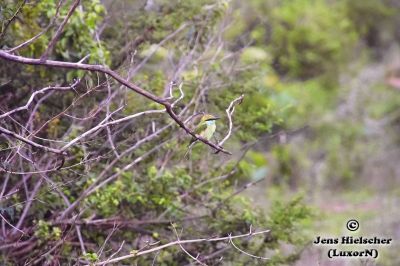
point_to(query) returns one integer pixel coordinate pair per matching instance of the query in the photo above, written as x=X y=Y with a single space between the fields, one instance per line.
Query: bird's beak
x=216 y=118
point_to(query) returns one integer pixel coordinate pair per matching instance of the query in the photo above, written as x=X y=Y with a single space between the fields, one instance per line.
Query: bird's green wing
x=199 y=130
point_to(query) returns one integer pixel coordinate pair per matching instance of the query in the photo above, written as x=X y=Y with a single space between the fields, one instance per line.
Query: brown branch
x=102 y=69
x=60 y=29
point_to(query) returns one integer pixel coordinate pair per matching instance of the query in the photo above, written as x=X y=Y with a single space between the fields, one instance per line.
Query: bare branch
x=25 y=107
x=180 y=242
x=60 y=29
x=27 y=206
x=116 y=252
x=246 y=253
x=229 y=113
x=184 y=250
x=7 y=222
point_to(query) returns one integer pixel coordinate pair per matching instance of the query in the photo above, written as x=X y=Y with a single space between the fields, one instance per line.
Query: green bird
x=206 y=129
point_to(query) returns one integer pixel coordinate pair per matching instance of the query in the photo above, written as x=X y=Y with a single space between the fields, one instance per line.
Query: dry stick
x=7 y=222
x=184 y=250
x=96 y=185
x=53 y=169
x=214 y=254
x=66 y=201
x=60 y=29
x=100 y=251
x=110 y=138
x=63 y=112
x=102 y=69
x=25 y=107
x=116 y=252
x=72 y=142
x=229 y=113
x=28 y=205
x=3 y=190
x=180 y=242
x=246 y=253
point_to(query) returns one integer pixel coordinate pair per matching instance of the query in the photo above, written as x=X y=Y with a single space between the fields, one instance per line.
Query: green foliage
x=308 y=36
x=254 y=55
x=259 y=112
x=285 y=218
x=254 y=166
x=44 y=231
x=162 y=19
x=77 y=39
x=133 y=192
x=371 y=17
x=91 y=256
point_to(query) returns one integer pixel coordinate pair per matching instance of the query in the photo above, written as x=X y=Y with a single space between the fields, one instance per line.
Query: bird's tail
x=189 y=149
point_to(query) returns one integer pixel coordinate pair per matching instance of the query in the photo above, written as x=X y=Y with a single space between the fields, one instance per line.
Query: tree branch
x=229 y=113
x=25 y=107
x=102 y=69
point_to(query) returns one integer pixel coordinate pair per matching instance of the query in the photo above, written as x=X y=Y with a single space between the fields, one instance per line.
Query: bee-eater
x=205 y=129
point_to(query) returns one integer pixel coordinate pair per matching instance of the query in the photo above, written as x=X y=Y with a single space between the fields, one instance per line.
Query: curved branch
x=229 y=113
x=102 y=69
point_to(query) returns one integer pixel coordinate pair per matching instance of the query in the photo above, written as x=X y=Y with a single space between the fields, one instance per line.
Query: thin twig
x=184 y=250
x=7 y=222
x=229 y=113
x=25 y=107
x=246 y=253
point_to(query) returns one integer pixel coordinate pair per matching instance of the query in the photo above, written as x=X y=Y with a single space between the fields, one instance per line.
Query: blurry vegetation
x=287 y=57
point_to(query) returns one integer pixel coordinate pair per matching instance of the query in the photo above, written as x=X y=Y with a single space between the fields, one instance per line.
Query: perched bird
x=205 y=129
